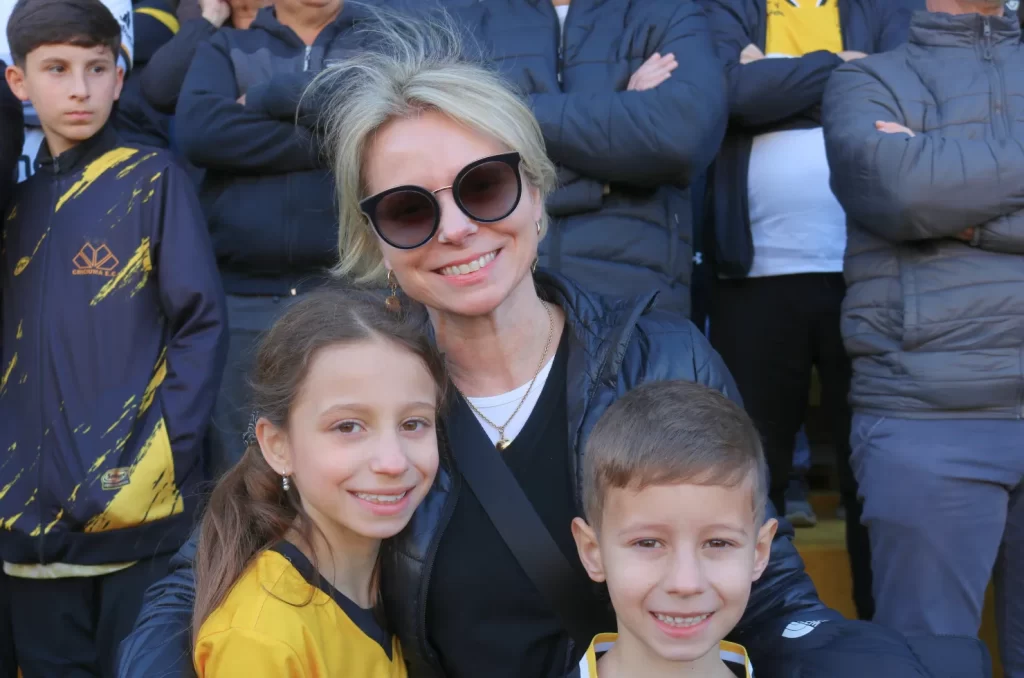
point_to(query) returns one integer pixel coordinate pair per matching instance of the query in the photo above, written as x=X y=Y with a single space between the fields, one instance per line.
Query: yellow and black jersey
x=734 y=656
x=111 y=341
x=281 y=620
x=798 y=27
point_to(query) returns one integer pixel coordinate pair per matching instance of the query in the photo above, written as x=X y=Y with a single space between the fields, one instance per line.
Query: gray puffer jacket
x=934 y=324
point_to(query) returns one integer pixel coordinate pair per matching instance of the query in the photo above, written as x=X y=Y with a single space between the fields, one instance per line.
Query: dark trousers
x=248 y=318
x=72 y=627
x=8 y=657
x=771 y=332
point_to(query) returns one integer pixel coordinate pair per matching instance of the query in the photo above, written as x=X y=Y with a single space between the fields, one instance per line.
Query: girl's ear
x=275 y=447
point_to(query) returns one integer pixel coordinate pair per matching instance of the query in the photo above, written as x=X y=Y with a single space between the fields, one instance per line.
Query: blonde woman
x=442 y=178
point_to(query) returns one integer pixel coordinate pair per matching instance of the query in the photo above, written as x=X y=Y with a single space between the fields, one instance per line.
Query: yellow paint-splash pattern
x=140 y=264
x=23 y=263
x=159 y=374
x=150 y=495
x=7 y=372
x=128 y=170
x=94 y=170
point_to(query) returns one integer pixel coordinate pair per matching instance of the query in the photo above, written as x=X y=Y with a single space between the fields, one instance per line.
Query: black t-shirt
x=484 y=615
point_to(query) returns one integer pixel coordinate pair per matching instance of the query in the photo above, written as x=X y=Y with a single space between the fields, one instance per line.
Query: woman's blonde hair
x=410 y=66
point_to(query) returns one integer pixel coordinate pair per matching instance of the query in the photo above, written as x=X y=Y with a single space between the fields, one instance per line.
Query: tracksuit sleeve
x=218 y=133
x=194 y=308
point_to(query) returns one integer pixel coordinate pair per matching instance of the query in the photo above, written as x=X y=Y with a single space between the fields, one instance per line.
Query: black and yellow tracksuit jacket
x=112 y=343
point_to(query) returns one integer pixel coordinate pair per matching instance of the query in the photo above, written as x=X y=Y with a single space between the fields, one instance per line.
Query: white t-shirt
x=562 y=11
x=796 y=223
x=122 y=11
x=500 y=407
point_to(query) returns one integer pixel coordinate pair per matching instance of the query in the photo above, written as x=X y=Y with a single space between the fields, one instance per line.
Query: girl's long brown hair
x=249 y=511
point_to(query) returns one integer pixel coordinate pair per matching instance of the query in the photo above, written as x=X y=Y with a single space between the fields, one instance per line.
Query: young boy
x=675 y=486
x=111 y=342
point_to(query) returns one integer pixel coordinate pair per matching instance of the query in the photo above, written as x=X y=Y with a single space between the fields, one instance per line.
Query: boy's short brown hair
x=82 y=23
x=673 y=432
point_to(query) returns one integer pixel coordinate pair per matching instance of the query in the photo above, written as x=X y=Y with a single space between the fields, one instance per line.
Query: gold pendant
x=502 y=444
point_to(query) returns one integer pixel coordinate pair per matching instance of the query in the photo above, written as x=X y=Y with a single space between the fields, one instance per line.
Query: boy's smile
x=73 y=90
x=679 y=561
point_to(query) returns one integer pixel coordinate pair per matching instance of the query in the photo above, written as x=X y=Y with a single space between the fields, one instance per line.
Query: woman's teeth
x=681 y=621
x=472 y=266
x=381 y=498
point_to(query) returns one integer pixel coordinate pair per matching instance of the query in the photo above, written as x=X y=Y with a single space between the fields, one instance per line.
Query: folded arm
x=904 y=187
x=661 y=135
x=217 y=132
x=164 y=75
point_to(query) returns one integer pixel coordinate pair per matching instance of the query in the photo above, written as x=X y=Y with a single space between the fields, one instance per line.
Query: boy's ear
x=763 y=549
x=588 y=548
x=274 y=446
x=120 y=83
x=16 y=81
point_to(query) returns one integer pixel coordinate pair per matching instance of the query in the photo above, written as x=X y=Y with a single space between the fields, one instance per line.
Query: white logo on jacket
x=801 y=629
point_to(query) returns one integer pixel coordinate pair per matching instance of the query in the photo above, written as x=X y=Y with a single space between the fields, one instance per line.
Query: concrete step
x=823 y=549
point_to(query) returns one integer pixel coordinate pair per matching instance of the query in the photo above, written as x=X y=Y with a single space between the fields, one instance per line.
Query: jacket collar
x=601 y=329
x=71 y=160
x=935 y=29
x=351 y=13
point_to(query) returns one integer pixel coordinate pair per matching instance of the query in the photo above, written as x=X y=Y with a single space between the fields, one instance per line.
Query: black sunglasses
x=486 y=190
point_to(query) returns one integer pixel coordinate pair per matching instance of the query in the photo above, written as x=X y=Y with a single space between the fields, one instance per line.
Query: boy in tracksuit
x=111 y=345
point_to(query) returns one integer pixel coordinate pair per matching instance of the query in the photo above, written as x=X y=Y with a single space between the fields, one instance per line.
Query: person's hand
x=215 y=11
x=850 y=55
x=241 y=100
x=967 y=235
x=892 y=128
x=750 y=54
x=653 y=72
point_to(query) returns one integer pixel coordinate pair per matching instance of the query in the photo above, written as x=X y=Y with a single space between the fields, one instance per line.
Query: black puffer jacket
x=612 y=348
x=12 y=138
x=645 y=146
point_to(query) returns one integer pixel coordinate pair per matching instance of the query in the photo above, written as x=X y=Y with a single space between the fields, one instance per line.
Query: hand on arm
x=215 y=11
x=656 y=70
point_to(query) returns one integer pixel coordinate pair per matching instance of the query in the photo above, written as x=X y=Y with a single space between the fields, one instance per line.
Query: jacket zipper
x=305 y=61
x=1000 y=118
x=43 y=518
x=428 y=567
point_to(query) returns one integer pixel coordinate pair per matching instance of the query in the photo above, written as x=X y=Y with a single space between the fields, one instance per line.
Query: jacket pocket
x=140 y=487
x=911 y=329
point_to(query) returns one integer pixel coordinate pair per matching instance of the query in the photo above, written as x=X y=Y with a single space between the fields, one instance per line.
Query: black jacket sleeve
x=216 y=132
x=905 y=188
x=160 y=644
x=768 y=90
x=12 y=139
x=164 y=75
x=668 y=134
x=193 y=304
x=575 y=194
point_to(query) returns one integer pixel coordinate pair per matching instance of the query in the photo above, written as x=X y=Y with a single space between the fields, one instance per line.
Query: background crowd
x=811 y=207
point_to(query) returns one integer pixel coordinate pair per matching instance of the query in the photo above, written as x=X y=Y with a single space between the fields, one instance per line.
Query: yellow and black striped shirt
x=270 y=626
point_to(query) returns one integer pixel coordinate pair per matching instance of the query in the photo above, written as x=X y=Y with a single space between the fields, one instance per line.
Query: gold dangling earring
x=393 y=303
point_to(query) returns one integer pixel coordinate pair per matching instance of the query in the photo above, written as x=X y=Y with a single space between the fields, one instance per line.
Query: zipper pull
x=987 y=30
x=305 y=63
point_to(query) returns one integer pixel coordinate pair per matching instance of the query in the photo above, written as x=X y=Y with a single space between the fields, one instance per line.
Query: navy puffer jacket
x=643 y=148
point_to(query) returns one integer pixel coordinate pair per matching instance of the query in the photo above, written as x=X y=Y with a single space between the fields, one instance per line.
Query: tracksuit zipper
x=40 y=462
x=305 y=61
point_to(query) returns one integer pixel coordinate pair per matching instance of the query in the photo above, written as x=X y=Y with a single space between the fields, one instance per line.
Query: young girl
x=342 y=448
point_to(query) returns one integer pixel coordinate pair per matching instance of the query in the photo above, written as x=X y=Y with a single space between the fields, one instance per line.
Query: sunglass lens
x=490 y=191
x=406 y=218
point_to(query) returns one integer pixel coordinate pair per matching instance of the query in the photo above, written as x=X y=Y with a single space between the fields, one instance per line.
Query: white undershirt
x=500 y=407
x=796 y=223
x=562 y=11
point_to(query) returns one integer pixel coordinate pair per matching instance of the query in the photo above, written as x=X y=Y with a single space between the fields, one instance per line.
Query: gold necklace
x=503 y=442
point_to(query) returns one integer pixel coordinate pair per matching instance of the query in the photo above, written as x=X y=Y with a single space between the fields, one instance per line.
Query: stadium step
x=823 y=549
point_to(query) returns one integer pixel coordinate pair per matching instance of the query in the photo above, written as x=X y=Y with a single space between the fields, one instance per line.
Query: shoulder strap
x=522 y=530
